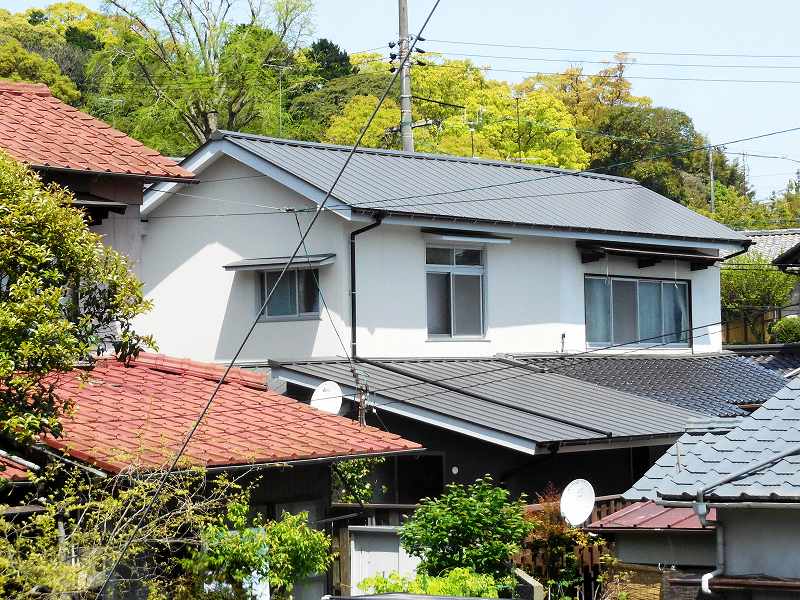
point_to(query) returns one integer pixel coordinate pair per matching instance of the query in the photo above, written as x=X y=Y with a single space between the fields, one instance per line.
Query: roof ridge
x=221 y=134
x=204 y=370
x=24 y=87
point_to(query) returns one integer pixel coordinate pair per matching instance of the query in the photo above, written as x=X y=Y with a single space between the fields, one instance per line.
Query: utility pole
x=362 y=391
x=406 y=131
x=515 y=95
x=711 y=175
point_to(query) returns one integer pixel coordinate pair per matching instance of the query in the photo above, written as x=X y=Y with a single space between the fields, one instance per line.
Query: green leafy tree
x=352 y=480
x=750 y=285
x=18 y=64
x=331 y=60
x=787 y=330
x=64 y=296
x=737 y=210
x=476 y=526
x=177 y=71
x=345 y=127
x=235 y=549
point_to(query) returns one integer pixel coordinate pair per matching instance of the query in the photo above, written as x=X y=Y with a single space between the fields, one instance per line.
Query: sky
x=766 y=32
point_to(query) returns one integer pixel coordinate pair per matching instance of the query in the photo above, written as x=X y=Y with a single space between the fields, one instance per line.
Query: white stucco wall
x=124 y=234
x=534 y=286
x=761 y=541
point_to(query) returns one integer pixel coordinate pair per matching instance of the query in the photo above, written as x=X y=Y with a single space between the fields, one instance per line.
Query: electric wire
x=196 y=425
x=646 y=52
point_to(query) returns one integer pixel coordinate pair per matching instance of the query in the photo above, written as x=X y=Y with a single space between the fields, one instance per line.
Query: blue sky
x=722 y=110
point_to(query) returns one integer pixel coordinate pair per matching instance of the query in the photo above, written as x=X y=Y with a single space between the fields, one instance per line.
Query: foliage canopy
x=475 y=526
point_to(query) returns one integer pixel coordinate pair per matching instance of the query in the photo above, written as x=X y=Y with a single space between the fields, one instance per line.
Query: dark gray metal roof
x=510 y=394
x=698 y=461
x=508 y=192
x=278 y=262
x=713 y=384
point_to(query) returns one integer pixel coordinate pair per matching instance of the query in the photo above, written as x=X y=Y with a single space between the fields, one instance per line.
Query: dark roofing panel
x=511 y=395
x=508 y=192
x=711 y=384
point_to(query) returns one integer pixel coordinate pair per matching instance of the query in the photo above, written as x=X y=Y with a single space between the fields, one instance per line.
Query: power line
x=612 y=62
x=647 y=52
x=531 y=73
x=255 y=321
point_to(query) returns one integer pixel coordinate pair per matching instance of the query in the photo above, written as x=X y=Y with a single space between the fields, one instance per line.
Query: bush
x=458 y=582
x=787 y=330
x=475 y=526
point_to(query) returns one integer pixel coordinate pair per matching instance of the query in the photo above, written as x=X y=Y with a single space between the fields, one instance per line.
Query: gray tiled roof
x=712 y=384
x=508 y=192
x=696 y=461
x=509 y=391
x=780 y=358
x=771 y=243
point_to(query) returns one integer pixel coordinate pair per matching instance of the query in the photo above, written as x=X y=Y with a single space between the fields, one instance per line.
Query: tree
x=197 y=532
x=64 y=296
x=737 y=210
x=751 y=285
x=475 y=526
x=331 y=60
x=345 y=127
x=18 y=64
x=179 y=70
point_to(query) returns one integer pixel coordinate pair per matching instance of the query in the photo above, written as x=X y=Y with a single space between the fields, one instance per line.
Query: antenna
x=577 y=502
x=327 y=398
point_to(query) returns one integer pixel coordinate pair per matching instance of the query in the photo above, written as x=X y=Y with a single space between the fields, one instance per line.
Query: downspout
x=353 y=320
x=701 y=509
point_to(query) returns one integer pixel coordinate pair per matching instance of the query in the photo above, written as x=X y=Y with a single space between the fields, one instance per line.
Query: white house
x=463 y=257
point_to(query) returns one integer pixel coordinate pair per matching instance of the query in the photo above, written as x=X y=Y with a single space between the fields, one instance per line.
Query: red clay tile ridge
x=138 y=415
x=44 y=132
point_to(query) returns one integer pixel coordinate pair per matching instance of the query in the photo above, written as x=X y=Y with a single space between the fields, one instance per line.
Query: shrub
x=787 y=330
x=475 y=526
x=458 y=582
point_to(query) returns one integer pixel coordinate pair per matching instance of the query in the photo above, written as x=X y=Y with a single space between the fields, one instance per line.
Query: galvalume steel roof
x=520 y=401
x=508 y=192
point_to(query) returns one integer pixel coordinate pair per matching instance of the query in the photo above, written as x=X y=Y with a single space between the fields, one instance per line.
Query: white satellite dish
x=577 y=502
x=327 y=397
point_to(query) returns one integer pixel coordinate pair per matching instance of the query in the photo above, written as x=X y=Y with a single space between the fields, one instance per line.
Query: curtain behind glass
x=597 y=298
x=676 y=312
x=467 y=305
x=284 y=300
x=623 y=309
x=650 y=318
x=438 y=285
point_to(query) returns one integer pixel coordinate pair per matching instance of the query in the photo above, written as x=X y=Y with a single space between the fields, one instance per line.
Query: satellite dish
x=577 y=502
x=327 y=397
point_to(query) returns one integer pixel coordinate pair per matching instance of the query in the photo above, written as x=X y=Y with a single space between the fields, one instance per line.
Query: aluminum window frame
x=451 y=270
x=642 y=344
x=262 y=291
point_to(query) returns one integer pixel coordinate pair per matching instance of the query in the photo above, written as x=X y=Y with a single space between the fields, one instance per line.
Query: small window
x=455 y=282
x=296 y=294
x=625 y=310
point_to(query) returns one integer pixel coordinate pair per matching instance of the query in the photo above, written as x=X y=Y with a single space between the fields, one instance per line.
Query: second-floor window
x=621 y=310
x=296 y=296
x=455 y=290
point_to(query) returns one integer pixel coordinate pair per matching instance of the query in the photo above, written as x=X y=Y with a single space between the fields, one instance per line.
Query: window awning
x=647 y=256
x=277 y=263
x=464 y=237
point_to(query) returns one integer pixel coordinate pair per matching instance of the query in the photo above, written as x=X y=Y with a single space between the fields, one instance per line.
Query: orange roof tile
x=139 y=414
x=12 y=470
x=43 y=131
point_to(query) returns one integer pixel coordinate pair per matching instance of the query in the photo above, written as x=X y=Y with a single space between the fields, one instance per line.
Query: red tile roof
x=41 y=130
x=648 y=516
x=140 y=414
x=12 y=470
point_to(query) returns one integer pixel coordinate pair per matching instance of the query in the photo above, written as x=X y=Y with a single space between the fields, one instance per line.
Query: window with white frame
x=622 y=310
x=296 y=296
x=455 y=290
